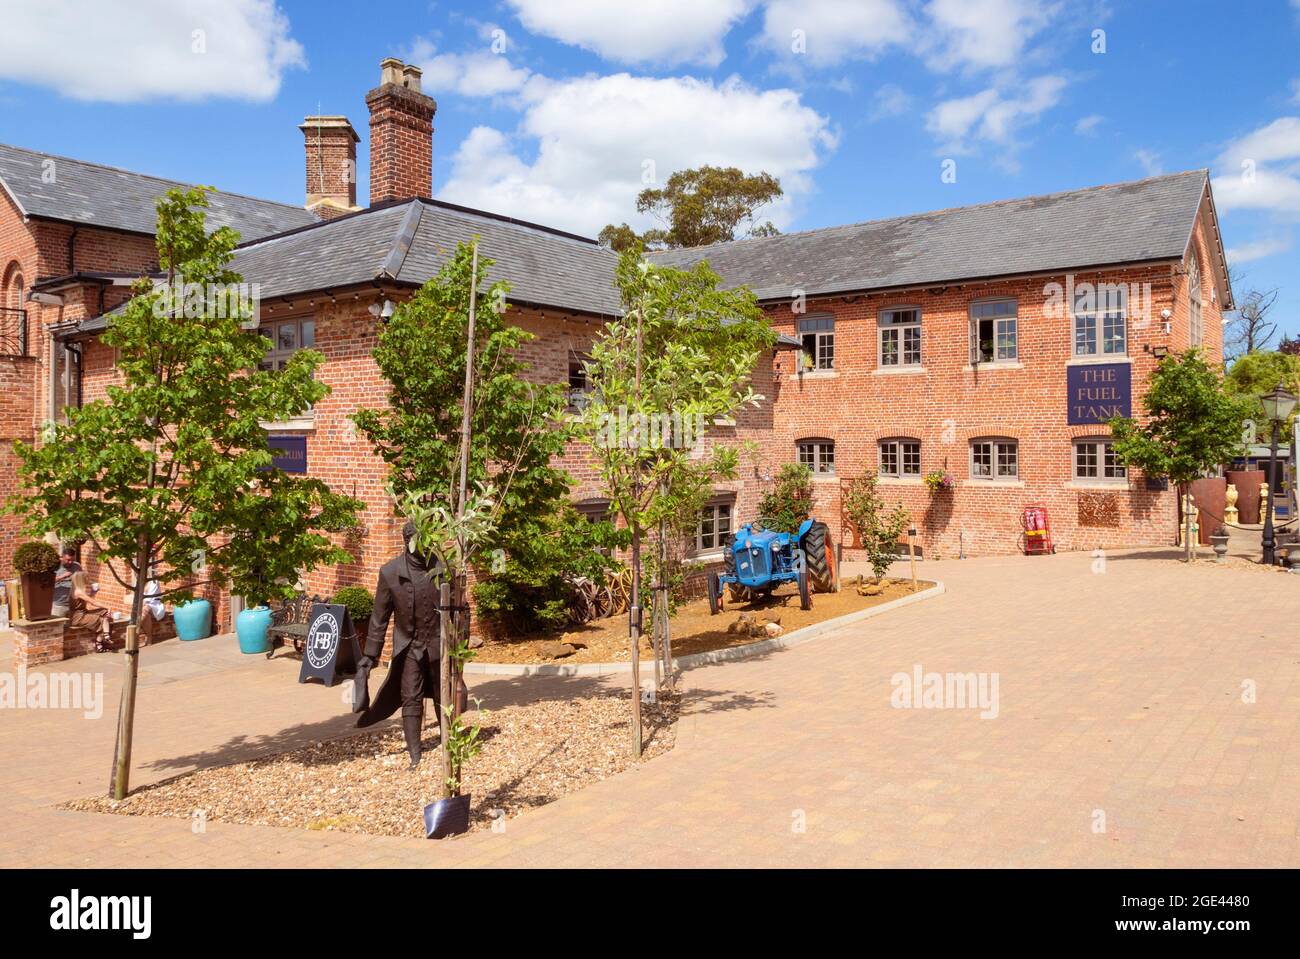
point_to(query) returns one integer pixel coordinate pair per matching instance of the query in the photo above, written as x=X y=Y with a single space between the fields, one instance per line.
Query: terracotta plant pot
x=38 y=594
x=447 y=817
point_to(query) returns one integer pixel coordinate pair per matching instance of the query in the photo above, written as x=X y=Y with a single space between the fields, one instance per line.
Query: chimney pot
x=401 y=134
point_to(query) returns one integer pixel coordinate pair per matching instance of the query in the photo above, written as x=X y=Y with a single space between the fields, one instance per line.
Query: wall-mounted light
x=382 y=310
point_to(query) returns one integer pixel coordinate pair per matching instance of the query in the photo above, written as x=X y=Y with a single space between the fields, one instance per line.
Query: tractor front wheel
x=805 y=588
x=819 y=558
x=715 y=594
x=735 y=592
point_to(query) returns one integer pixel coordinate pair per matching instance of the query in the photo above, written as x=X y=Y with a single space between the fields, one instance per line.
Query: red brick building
x=988 y=343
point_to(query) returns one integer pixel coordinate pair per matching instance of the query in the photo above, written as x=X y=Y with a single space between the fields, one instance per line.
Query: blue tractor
x=758 y=560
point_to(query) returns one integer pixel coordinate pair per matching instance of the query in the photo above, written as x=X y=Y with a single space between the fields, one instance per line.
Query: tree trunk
x=1187 y=523
x=121 y=778
x=446 y=689
x=634 y=633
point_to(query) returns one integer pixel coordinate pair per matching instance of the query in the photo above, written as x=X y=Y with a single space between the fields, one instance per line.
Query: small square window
x=818 y=455
x=994 y=460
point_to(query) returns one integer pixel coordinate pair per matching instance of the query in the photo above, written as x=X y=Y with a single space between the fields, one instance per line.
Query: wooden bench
x=289 y=622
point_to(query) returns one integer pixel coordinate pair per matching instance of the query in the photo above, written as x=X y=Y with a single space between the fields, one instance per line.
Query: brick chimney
x=401 y=134
x=331 y=165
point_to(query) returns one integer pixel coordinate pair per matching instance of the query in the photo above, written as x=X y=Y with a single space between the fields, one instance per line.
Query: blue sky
x=559 y=110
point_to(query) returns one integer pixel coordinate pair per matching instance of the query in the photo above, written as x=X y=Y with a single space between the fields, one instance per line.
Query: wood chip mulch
x=532 y=754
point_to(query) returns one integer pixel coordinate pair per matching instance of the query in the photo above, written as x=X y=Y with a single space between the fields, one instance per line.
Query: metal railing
x=13 y=331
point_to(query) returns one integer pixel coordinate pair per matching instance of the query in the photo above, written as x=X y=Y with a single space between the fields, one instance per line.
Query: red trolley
x=1038 y=530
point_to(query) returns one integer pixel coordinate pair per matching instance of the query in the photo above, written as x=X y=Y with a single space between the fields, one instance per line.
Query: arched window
x=817 y=454
x=1095 y=461
x=900 y=457
x=994 y=458
x=1196 y=321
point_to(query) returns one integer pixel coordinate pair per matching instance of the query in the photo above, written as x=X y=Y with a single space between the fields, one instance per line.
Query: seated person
x=68 y=567
x=154 y=610
x=87 y=612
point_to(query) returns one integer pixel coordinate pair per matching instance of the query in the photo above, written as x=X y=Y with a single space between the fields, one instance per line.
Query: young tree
x=705 y=205
x=680 y=357
x=170 y=475
x=1192 y=426
x=878 y=528
x=518 y=427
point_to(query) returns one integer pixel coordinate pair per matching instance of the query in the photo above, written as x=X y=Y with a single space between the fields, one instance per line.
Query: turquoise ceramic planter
x=251 y=626
x=193 y=620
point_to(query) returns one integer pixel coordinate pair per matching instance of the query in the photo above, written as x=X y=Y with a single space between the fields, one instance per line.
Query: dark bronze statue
x=407 y=590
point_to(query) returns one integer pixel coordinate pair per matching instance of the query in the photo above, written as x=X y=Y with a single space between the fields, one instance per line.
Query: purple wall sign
x=288 y=452
x=1099 y=391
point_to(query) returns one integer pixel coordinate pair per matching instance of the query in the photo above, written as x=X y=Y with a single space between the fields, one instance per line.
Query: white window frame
x=1002 y=451
x=1104 y=461
x=277 y=356
x=1101 y=320
x=817 y=336
x=719 y=513
x=818 y=454
x=1003 y=327
x=895 y=448
x=904 y=323
x=1195 y=306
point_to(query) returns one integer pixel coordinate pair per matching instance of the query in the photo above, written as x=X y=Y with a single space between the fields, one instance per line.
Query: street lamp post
x=1277 y=408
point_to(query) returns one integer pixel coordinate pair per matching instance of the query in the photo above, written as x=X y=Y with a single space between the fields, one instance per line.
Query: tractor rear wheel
x=819 y=558
x=735 y=592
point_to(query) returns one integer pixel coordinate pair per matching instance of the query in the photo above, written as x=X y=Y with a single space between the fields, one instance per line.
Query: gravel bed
x=532 y=754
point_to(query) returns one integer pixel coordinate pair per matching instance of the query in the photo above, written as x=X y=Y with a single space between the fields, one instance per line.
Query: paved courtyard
x=1124 y=735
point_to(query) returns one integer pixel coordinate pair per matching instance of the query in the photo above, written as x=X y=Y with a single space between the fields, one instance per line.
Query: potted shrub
x=937 y=481
x=360 y=604
x=35 y=564
x=254 y=620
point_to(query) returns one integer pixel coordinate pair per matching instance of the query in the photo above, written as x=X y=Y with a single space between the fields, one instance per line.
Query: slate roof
x=1143 y=220
x=408 y=242
x=118 y=199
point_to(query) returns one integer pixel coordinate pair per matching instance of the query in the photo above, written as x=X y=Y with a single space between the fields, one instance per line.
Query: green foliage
x=464 y=741
x=682 y=353
x=360 y=602
x=36 y=557
x=527 y=597
x=1193 y=425
x=790 y=500
x=1255 y=374
x=523 y=546
x=173 y=466
x=701 y=206
x=878 y=529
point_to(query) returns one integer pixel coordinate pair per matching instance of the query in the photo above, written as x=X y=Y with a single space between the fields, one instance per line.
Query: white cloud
x=477 y=74
x=890 y=100
x=1258 y=249
x=635 y=31
x=992 y=115
x=1087 y=126
x=127 y=50
x=1149 y=160
x=1261 y=170
x=833 y=30
x=980 y=34
x=588 y=142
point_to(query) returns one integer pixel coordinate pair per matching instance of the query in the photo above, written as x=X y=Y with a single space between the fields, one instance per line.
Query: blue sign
x=1097 y=392
x=288 y=452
